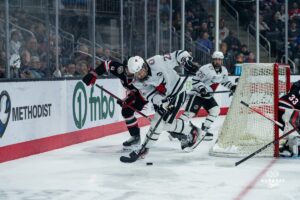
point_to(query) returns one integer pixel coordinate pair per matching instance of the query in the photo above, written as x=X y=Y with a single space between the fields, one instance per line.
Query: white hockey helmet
x=218 y=55
x=15 y=61
x=135 y=64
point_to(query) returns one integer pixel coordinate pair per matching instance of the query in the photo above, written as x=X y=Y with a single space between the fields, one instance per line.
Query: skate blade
x=131 y=148
x=200 y=139
x=188 y=150
x=208 y=139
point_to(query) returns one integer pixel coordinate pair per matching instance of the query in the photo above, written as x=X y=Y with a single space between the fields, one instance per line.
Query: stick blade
x=125 y=159
x=224 y=163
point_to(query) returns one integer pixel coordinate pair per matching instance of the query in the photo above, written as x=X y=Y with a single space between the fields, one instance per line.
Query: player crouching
x=289 y=115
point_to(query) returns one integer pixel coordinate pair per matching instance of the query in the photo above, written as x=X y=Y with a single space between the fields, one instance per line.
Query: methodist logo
x=5 y=109
x=98 y=107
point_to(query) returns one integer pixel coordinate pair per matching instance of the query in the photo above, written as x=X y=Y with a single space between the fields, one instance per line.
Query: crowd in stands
x=200 y=28
x=33 y=50
x=272 y=25
x=36 y=50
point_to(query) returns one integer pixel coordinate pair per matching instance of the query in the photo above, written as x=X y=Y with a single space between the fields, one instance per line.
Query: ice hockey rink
x=92 y=170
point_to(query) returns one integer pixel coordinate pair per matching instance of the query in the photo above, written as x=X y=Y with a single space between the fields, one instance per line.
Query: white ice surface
x=92 y=170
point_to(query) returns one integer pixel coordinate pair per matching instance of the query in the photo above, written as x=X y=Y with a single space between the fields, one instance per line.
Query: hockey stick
x=216 y=92
x=257 y=151
x=129 y=106
x=262 y=148
x=262 y=114
x=135 y=156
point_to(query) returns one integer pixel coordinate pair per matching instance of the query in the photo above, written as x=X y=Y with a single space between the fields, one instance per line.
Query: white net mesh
x=245 y=131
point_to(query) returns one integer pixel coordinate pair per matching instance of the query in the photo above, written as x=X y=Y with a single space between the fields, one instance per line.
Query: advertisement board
x=40 y=116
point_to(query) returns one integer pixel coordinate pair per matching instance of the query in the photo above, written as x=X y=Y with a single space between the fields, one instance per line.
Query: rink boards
x=46 y=115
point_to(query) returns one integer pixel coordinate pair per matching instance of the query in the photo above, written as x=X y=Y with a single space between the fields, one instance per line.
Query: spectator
x=32 y=46
x=228 y=60
x=224 y=31
x=34 y=71
x=40 y=32
x=244 y=50
x=296 y=57
x=107 y=54
x=250 y=58
x=203 y=43
x=15 y=42
x=204 y=28
x=293 y=31
x=282 y=13
x=190 y=30
x=276 y=25
x=177 y=21
x=25 y=59
x=210 y=23
x=99 y=52
x=294 y=13
x=190 y=17
x=83 y=54
x=239 y=60
x=233 y=42
x=82 y=68
x=70 y=70
x=263 y=26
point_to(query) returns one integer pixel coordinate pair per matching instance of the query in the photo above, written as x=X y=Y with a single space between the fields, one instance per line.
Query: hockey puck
x=149 y=163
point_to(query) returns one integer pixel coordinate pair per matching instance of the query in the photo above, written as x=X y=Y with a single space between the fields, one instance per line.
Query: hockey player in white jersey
x=206 y=80
x=159 y=84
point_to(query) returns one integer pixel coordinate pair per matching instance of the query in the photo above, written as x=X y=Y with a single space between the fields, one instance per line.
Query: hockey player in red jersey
x=133 y=97
x=289 y=108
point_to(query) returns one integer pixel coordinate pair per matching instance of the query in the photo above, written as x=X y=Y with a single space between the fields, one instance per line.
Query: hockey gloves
x=190 y=67
x=232 y=90
x=90 y=78
x=165 y=106
x=203 y=92
x=129 y=100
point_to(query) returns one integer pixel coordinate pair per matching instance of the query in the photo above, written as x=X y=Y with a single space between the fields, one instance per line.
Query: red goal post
x=277 y=94
x=243 y=131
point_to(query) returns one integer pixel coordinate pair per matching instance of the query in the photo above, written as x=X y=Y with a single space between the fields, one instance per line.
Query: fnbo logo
x=100 y=107
x=79 y=105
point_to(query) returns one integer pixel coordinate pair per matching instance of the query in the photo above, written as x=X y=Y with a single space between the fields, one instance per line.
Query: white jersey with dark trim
x=161 y=74
x=207 y=77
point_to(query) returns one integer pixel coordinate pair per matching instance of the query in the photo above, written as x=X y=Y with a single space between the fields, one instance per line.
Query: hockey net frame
x=236 y=145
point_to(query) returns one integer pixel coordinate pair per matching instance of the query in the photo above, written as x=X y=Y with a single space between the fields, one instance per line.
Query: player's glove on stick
x=232 y=90
x=190 y=67
x=129 y=100
x=165 y=106
x=203 y=92
x=90 y=78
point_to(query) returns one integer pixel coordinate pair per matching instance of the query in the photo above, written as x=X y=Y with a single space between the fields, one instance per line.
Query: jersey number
x=167 y=57
x=293 y=99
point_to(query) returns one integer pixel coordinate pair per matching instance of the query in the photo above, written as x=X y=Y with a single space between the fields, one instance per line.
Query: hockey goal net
x=245 y=131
